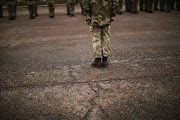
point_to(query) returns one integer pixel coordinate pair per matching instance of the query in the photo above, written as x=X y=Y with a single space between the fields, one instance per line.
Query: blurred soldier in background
x=134 y=6
x=51 y=7
x=119 y=6
x=36 y=8
x=1 y=8
x=71 y=7
x=141 y=5
x=11 y=6
x=82 y=7
x=156 y=5
x=178 y=5
x=146 y=5
x=172 y=4
x=31 y=8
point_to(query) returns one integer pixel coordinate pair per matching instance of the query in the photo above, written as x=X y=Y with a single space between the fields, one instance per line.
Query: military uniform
x=1 y=8
x=128 y=5
x=162 y=5
x=71 y=7
x=51 y=6
x=119 y=5
x=149 y=4
x=11 y=6
x=100 y=13
x=168 y=5
x=134 y=6
x=155 y=4
x=31 y=7
x=172 y=4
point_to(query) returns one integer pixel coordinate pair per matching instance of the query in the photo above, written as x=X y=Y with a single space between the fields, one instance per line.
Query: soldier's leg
x=168 y=6
x=9 y=7
x=106 y=41
x=120 y=6
x=96 y=41
x=146 y=5
x=68 y=8
x=31 y=10
x=161 y=5
x=14 y=10
x=36 y=9
x=126 y=5
x=141 y=4
x=172 y=4
x=1 y=10
x=155 y=4
x=150 y=6
x=72 y=9
x=51 y=9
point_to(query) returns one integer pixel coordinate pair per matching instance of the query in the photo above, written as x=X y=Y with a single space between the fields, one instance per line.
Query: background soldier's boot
x=97 y=62
x=105 y=62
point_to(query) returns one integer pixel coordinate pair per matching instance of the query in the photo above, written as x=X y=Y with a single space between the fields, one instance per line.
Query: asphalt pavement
x=46 y=72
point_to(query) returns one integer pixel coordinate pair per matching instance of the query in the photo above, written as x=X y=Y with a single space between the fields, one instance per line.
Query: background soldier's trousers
x=155 y=4
x=1 y=10
x=141 y=5
x=11 y=6
x=101 y=40
x=70 y=8
x=134 y=6
x=178 y=5
x=51 y=8
x=119 y=6
x=31 y=8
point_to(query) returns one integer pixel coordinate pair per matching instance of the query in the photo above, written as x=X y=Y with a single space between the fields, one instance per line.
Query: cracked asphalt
x=46 y=73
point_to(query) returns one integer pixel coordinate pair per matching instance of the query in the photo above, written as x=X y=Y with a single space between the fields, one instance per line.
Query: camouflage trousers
x=1 y=10
x=101 y=40
x=11 y=6
x=36 y=7
x=51 y=8
x=134 y=5
x=119 y=6
x=70 y=8
x=31 y=8
x=141 y=5
x=128 y=5
x=155 y=4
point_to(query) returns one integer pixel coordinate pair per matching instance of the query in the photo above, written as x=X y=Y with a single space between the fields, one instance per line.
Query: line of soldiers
x=32 y=7
x=130 y=6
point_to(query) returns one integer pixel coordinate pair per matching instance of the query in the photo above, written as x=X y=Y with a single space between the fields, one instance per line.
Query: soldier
x=155 y=4
x=100 y=13
x=31 y=8
x=134 y=6
x=146 y=5
x=178 y=5
x=11 y=6
x=70 y=7
x=119 y=6
x=128 y=5
x=1 y=8
x=51 y=7
x=82 y=7
x=141 y=5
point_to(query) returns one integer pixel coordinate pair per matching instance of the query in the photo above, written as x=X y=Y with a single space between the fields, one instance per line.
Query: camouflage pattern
x=31 y=8
x=101 y=40
x=101 y=13
x=82 y=2
x=155 y=4
x=134 y=6
x=141 y=5
x=119 y=5
x=178 y=5
x=11 y=6
x=70 y=5
x=150 y=6
x=51 y=6
x=1 y=8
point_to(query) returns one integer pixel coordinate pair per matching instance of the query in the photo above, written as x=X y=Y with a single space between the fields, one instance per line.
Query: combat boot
x=105 y=62
x=97 y=63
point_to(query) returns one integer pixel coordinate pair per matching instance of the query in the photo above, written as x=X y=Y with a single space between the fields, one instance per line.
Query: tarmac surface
x=46 y=72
